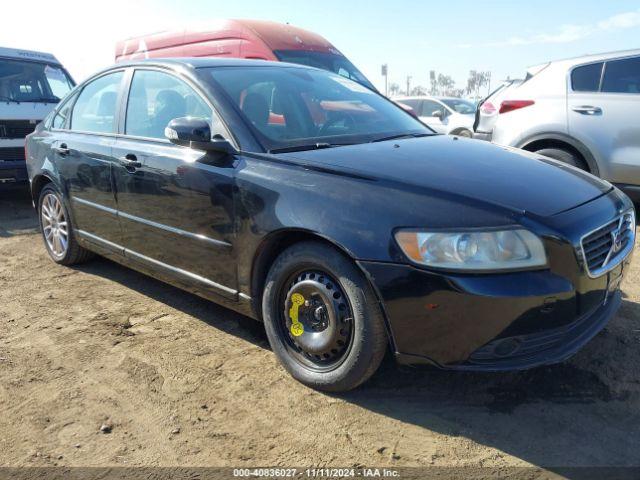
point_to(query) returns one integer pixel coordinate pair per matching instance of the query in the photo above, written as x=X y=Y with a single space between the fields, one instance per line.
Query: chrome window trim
x=620 y=257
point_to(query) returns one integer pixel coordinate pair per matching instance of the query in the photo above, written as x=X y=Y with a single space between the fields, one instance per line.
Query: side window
x=411 y=102
x=622 y=76
x=95 y=109
x=586 y=78
x=156 y=98
x=429 y=106
x=60 y=120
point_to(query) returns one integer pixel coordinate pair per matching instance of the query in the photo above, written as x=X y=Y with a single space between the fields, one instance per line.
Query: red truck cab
x=254 y=39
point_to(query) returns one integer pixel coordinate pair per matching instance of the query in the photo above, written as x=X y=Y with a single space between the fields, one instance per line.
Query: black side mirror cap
x=193 y=132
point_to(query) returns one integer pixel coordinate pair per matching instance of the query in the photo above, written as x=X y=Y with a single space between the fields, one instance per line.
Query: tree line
x=444 y=86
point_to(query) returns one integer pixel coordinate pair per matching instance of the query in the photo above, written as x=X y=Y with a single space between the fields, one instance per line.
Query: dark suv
x=303 y=199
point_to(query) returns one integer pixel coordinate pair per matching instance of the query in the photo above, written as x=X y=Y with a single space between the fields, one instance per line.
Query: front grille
x=607 y=246
x=16 y=128
x=12 y=154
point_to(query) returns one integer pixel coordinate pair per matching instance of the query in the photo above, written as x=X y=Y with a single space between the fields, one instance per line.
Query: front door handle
x=62 y=150
x=130 y=161
x=588 y=110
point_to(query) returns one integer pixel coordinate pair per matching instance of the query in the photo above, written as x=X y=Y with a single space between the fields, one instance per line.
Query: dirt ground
x=181 y=381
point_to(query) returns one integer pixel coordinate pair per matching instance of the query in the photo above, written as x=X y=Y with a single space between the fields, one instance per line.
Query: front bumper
x=503 y=321
x=482 y=136
x=13 y=171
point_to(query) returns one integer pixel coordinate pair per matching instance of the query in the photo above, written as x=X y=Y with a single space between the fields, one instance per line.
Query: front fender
x=357 y=214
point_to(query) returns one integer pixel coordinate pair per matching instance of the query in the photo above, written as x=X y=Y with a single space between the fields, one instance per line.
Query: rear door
x=603 y=105
x=176 y=213
x=83 y=153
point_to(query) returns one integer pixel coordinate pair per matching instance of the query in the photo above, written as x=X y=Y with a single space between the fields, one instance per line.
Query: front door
x=176 y=214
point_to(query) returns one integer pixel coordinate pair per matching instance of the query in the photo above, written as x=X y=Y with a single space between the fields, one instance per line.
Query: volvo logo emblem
x=616 y=236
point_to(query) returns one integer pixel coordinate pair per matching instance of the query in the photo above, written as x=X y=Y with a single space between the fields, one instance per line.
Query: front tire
x=57 y=230
x=322 y=318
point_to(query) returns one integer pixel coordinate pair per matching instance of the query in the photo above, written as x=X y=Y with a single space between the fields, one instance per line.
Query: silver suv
x=583 y=111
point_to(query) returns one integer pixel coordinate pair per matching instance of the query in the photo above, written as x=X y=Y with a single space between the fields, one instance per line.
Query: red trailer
x=255 y=39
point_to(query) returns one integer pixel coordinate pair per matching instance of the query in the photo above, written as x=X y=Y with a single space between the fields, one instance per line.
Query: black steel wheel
x=322 y=318
x=316 y=319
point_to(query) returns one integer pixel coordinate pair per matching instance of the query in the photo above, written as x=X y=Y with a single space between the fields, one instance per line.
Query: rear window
x=622 y=76
x=586 y=78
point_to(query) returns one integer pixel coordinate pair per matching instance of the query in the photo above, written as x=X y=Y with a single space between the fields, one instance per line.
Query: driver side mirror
x=195 y=133
x=438 y=114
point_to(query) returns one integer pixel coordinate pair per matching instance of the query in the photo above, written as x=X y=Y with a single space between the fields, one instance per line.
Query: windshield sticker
x=351 y=85
x=54 y=73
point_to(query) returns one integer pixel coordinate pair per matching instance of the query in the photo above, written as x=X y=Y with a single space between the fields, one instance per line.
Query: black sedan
x=300 y=198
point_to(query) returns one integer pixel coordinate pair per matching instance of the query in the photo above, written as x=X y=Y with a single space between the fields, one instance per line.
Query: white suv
x=583 y=111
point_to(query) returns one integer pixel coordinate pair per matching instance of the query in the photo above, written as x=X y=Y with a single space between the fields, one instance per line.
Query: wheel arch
x=37 y=184
x=276 y=242
x=458 y=130
x=561 y=141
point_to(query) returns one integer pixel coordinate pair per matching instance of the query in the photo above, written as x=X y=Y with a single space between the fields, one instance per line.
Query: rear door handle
x=130 y=161
x=588 y=110
x=63 y=150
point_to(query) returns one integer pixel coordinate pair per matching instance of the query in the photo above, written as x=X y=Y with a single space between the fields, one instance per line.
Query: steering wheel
x=349 y=123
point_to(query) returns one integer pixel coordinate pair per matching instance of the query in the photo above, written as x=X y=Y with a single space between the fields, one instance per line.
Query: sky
x=412 y=37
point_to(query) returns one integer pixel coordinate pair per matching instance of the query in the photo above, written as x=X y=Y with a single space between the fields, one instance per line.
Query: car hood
x=473 y=170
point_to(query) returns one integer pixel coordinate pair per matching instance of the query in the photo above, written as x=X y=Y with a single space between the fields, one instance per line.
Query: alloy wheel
x=55 y=227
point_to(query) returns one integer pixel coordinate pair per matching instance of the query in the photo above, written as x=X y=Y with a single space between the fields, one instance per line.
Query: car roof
x=205 y=62
x=193 y=63
x=594 y=57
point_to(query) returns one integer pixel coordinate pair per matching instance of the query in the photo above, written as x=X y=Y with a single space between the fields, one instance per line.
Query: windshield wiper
x=43 y=100
x=402 y=135
x=311 y=146
x=5 y=98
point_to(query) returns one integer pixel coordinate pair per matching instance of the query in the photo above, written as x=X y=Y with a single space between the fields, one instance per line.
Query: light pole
x=408 y=84
x=385 y=74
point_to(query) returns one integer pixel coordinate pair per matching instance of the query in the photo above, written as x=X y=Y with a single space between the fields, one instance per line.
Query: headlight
x=473 y=250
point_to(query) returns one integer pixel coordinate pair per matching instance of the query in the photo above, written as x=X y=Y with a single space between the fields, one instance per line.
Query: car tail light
x=487 y=108
x=511 y=105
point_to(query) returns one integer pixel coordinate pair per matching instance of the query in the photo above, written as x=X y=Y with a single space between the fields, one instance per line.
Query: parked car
x=31 y=84
x=347 y=226
x=251 y=39
x=488 y=110
x=449 y=115
x=581 y=111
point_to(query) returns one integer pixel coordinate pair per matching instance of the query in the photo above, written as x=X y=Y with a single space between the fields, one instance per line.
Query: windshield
x=288 y=106
x=459 y=105
x=326 y=61
x=22 y=81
